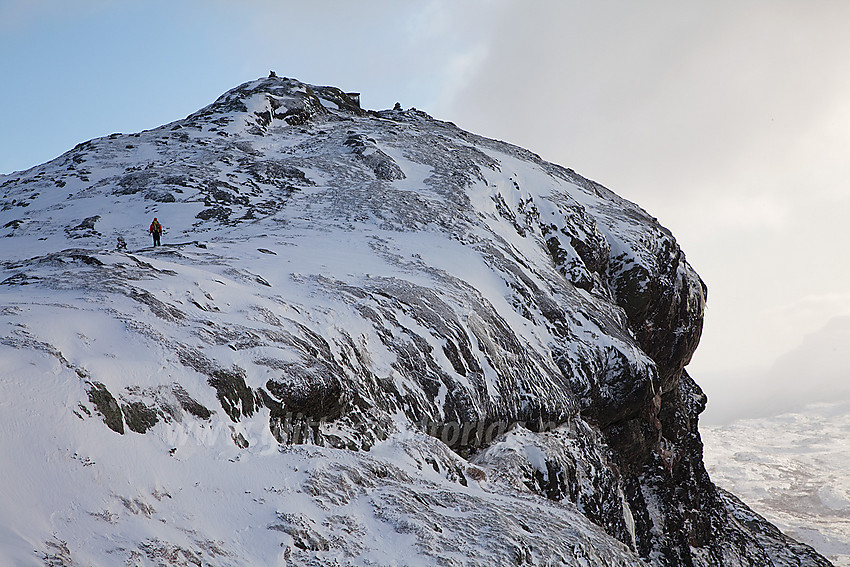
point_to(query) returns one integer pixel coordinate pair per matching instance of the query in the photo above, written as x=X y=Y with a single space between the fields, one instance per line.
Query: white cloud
x=817 y=370
x=809 y=313
x=744 y=213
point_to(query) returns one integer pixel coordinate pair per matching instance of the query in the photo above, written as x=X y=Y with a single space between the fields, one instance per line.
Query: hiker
x=122 y=244
x=156 y=231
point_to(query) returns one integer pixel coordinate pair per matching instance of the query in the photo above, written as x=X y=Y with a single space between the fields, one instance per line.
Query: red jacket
x=155 y=227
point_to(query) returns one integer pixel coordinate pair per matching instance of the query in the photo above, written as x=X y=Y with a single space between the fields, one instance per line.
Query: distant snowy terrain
x=792 y=468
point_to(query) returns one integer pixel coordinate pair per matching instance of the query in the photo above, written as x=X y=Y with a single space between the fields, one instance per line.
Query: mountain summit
x=369 y=338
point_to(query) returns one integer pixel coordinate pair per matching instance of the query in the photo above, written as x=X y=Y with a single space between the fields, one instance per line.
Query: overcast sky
x=727 y=120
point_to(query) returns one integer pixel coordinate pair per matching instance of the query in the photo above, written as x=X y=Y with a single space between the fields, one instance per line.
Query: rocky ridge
x=417 y=330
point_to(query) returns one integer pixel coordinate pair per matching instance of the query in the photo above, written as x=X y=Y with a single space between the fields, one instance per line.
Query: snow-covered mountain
x=370 y=338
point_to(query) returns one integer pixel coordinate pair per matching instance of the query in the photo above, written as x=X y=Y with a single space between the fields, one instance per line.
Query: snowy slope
x=371 y=338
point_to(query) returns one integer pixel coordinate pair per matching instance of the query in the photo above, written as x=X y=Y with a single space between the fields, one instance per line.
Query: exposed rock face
x=374 y=289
